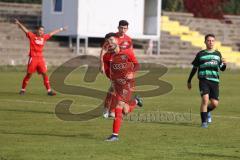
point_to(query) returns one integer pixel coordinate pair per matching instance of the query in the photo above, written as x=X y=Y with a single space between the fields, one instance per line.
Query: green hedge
x=232 y=7
x=173 y=5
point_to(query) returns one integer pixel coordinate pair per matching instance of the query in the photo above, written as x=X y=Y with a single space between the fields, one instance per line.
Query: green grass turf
x=30 y=130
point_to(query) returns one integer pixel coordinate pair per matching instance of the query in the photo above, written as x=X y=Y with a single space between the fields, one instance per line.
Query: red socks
x=25 y=82
x=132 y=105
x=47 y=83
x=110 y=102
x=113 y=103
x=117 y=121
x=118 y=116
x=27 y=78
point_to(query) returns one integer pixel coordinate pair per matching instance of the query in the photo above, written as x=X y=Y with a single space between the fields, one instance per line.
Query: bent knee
x=214 y=104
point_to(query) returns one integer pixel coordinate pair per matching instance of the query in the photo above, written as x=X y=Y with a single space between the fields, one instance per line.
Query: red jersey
x=124 y=42
x=108 y=58
x=122 y=63
x=37 y=44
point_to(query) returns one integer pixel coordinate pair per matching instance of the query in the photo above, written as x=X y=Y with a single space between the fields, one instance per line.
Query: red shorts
x=122 y=90
x=36 y=64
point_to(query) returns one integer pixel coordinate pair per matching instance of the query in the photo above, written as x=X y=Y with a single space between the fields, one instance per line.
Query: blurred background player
x=208 y=62
x=122 y=70
x=36 y=60
x=124 y=42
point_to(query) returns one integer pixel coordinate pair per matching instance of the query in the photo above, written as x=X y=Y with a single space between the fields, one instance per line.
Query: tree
x=173 y=5
x=232 y=7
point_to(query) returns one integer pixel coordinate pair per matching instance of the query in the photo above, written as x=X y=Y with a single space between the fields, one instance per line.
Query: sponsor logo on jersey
x=212 y=62
x=119 y=66
x=123 y=57
x=125 y=45
x=39 y=41
x=121 y=81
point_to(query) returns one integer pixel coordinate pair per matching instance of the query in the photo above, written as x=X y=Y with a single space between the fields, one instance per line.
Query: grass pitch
x=30 y=130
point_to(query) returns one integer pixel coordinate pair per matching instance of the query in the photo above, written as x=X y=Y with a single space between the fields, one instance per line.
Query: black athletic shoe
x=22 y=92
x=139 y=101
x=51 y=93
x=112 y=138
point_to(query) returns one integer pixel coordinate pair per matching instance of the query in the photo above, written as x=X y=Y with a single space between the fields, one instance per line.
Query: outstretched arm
x=57 y=31
x=194 y=70
x=20 y=25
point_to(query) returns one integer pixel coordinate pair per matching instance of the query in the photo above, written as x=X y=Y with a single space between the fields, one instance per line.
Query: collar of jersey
x=209 y=51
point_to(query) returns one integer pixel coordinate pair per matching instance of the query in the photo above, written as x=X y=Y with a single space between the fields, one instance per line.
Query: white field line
x=83 y=105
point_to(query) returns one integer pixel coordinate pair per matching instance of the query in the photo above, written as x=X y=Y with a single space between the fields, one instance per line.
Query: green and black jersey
x=208 y=64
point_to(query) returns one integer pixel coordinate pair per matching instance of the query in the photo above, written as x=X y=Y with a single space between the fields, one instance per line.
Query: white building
x=95 y=18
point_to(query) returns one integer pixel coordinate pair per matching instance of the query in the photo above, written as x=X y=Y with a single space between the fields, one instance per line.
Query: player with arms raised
x=36 y=60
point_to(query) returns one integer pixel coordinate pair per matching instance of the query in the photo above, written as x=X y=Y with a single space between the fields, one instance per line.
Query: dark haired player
x=124 y=42
x=208 y=62
x=36 y=60
x=121 y=71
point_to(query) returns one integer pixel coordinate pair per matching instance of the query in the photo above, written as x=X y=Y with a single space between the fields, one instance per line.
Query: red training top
x=37 y=44
x=122 y=63
x=124 y=42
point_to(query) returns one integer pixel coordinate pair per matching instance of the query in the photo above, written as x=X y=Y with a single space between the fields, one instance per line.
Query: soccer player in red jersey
x=36 y=60
x=122 y=68
x=124 y=42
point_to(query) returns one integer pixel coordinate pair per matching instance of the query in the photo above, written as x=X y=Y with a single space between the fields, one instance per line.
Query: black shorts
x=209 y=87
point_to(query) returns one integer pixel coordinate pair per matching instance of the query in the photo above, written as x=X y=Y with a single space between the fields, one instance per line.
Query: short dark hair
x=111 y=34
x=38 y=27
x=107 y=36
x=123 y=23
x=209 y=35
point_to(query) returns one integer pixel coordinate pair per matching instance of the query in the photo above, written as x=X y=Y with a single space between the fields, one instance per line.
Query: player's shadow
x=7 y=93
x=25 y=111
x=186 y=124
x=214 y=155
x=82 y=135
x=174 y=123
x=34 y=112
x=11 y=94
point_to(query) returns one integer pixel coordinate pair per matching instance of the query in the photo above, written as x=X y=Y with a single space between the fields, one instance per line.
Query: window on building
x=57 y=4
